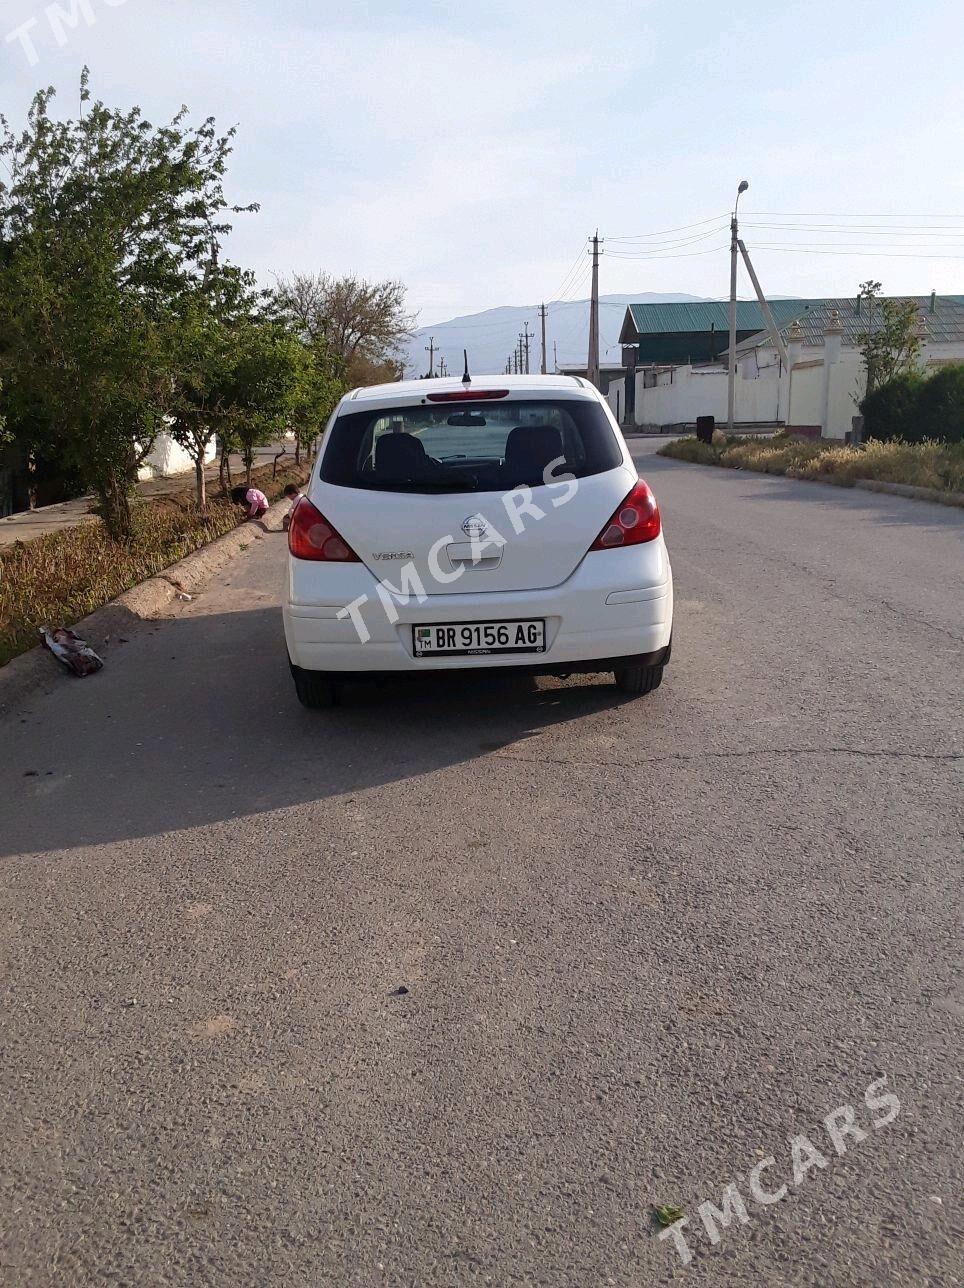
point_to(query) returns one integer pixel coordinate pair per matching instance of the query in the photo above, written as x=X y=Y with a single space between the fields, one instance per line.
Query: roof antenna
x=466 y=379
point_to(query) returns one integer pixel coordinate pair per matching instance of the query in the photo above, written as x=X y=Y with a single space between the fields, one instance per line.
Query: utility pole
x=542 y=317
x=520 y=355
x=555 y=357
x=776 y=339
x=592 y=368
x=731 y=354
x=526 y=337
x=442 y=369
x=430 y=350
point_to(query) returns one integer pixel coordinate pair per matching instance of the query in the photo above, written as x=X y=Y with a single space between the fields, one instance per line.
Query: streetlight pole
x=731 y=355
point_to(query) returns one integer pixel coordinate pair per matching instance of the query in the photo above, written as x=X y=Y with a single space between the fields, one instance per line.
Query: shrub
x=940 y=405
x=692 y=450
x=917 y=409
x=891 y=410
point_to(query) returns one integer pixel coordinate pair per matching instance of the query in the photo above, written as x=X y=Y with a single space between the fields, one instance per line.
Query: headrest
x=530 y=448
x=398 y=455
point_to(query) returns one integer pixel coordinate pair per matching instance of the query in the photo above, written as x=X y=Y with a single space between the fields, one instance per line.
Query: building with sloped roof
x=813 y=382
x=940 y=319
x=699 y=331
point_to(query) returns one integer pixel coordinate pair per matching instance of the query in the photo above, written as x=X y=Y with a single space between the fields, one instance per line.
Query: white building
x=817 y=390
x=167 y=457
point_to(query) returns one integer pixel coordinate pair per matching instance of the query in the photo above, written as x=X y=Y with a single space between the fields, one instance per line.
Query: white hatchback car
x=455 y=525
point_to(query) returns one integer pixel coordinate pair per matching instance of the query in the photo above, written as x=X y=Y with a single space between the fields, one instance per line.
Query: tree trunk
x=297 y=449
x=115 y=508
x=224 y=470
x=248 y=459
x=202 y=495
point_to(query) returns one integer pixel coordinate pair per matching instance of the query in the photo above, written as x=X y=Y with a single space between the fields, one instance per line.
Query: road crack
x=921 y=621
x=678 y=756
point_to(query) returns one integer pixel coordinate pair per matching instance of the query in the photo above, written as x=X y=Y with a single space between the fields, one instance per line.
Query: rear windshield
x=469 y=447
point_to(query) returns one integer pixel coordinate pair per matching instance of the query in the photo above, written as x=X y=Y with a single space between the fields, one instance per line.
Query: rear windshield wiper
x=453 y=482
x=431 y=483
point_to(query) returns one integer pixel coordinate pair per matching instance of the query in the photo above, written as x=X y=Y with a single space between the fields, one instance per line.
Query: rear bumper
x=660 y=657
x=608 y=612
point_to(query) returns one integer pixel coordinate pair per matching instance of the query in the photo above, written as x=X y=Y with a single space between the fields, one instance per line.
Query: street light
x=731 y=355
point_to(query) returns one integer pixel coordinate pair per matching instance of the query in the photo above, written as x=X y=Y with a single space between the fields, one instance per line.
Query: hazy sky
x=469 y=148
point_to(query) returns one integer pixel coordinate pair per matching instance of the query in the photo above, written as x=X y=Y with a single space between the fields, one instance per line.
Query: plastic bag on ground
x=68 y=648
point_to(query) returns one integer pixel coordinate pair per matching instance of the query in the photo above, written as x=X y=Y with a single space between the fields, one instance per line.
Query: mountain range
x=491 y=336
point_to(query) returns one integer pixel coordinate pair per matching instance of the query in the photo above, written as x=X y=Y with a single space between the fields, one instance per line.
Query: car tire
x=639 y=679
x=315 y=689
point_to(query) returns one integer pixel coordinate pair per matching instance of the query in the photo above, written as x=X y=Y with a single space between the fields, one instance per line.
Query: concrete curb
x=37 y=670
x=916 y=493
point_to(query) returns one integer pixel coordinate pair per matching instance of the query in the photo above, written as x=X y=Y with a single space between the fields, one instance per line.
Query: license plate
x=471 y=639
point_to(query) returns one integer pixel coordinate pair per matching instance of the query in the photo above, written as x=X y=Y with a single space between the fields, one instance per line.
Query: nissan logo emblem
x=475 y=526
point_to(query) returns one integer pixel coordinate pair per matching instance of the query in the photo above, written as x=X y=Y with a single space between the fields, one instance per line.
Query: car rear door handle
x=461 y=554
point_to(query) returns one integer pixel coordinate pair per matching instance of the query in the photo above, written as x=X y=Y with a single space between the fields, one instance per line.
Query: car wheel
x=315 y=689
x=639 y=679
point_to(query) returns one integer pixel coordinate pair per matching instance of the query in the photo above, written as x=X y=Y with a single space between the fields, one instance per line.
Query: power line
x=674 y=242
x=577 y=284
x=941 y=230
x=880 y=254
x=847 y=247
x=563 y=286
x=830 y=214
x=615 y=254
x=666 y=231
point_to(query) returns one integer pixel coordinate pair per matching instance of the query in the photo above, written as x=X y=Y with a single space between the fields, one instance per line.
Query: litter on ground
x=68 y=648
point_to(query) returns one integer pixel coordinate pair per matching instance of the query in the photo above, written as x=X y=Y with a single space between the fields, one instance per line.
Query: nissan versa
x=455 y=525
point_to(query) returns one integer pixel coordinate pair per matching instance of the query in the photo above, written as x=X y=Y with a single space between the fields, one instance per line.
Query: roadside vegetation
x=917 y=408
x=60 y=578
x=121 y=316
x=929 y=464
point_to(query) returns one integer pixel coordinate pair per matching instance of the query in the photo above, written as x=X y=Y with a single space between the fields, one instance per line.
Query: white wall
x=702 y=391
x=617 y=404
x=763 y=392
x=167 y=458
x=806 y=393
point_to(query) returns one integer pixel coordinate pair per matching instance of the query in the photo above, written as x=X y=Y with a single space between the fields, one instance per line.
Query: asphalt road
x=645 y=942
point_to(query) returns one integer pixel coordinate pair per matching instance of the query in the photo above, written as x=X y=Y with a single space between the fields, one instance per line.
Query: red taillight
x=468 y=395
x=311 y=536
x=636 y=520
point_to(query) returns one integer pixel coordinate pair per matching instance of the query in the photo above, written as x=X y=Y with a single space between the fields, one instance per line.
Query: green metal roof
x=706 y=315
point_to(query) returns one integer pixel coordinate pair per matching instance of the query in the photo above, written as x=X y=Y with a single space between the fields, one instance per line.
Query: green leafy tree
x=106 y=224
x=317 y=393
x=891 y=344
x=264 y=386
x=201 y=410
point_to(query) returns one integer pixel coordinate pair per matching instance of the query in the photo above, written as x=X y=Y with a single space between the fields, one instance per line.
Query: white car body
x=599 y=606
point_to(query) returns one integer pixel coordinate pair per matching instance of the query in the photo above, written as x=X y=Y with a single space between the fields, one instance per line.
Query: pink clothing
x=257 y=502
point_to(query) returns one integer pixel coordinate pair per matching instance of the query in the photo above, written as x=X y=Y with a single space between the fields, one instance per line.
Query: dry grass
x=930 y=464
x=60 y=578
